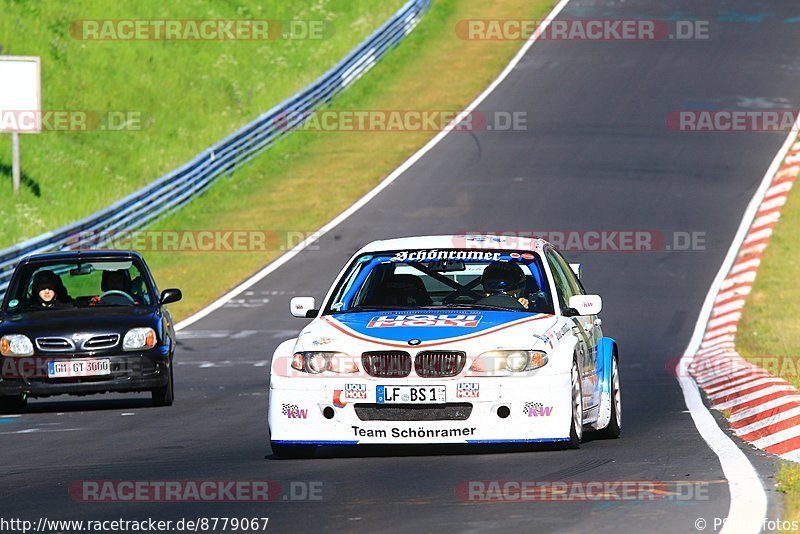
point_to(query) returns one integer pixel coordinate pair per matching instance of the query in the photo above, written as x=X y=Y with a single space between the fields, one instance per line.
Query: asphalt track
x=596 y=155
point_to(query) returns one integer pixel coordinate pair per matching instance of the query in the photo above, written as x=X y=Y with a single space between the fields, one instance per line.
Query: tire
x=13 y=403
x=576 y=396
x=282 y=450
x=614 y=428
x=164 y=395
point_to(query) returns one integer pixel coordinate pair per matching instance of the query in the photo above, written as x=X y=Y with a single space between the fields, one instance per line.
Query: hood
x=429 y=327
x=72 y=320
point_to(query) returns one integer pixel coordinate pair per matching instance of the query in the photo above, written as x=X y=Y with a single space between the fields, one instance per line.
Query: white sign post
x=20 y=102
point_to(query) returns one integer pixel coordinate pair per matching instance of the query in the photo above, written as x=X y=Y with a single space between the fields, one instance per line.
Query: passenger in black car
x=45 y=290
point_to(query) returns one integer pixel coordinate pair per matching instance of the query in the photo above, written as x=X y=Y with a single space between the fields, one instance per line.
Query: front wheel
x=164 y=395
x=13 y=403
x=576 y=426
x=614 y=428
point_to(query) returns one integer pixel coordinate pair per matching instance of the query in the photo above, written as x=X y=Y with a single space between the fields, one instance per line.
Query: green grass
x=310 y=177
x=769 y=326
x=788 y=479
x=769 y=330
x=189 y=94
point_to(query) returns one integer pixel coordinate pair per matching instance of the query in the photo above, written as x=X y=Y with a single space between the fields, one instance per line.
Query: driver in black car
x=116 y=289
x=503 y=281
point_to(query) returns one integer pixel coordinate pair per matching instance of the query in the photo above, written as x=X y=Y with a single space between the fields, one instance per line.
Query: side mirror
x=170 y=295
x=585 y=304
x=576 y=268
x=303 y=307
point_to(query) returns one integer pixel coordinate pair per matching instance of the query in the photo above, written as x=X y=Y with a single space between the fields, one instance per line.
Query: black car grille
x=455 y=411
x=103 y=341
x=438 y=364
x=54 y=344
x=387 y=364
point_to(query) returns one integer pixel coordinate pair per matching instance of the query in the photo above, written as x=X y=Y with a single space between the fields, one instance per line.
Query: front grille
x=387 y=364
x=103 y=341
x=54 y=344
x=455 y=411
x=438 y=363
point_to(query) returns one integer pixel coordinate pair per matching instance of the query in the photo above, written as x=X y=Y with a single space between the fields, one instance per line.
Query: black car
x=85 y=322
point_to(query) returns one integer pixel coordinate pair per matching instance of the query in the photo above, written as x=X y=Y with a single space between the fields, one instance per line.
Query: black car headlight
x=139 y=338
x=16 y=345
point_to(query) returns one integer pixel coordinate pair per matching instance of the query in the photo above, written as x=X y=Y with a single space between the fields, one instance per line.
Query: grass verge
x=308 y=178
x=769 y=330
x=178 y=96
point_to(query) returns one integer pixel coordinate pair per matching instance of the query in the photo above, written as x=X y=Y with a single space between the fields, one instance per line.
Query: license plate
x=410 y=395
x=73 y=368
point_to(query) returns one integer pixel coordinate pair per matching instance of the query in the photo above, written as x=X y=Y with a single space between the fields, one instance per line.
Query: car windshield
x=50 y=286
x=431 y=279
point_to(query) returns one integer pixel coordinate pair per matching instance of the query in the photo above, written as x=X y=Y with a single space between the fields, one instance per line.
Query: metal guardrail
x=178 y=187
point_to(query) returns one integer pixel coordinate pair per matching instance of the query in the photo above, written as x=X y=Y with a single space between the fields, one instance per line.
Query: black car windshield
x=412 y=279
x=90 y=283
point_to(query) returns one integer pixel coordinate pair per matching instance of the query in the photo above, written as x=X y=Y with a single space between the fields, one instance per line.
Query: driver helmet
x=503 y=277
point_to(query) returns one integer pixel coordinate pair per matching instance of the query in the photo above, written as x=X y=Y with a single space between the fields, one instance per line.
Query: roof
x=75 y=255
x=458 y=241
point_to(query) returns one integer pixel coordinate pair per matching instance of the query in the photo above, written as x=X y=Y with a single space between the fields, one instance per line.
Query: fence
x=178 y=187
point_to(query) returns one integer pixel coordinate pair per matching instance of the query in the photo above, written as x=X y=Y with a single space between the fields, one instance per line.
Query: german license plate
x=73 y=368
x=410 y=395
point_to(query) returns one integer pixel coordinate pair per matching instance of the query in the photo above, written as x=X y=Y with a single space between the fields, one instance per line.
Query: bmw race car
x=447 y=339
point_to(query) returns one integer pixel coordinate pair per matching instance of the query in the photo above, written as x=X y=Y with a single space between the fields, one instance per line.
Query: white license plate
x=410 y=394
x=73 y=368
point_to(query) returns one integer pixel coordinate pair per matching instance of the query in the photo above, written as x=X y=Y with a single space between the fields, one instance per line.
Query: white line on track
x=748 y=501
x=250 y=282
x=748 y=506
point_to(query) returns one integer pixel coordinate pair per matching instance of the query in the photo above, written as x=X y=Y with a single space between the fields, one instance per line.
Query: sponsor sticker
x=435 y=254
x=293 y=411
x=537 y=409
x=468 y=390
x=355 y=391
x=453 y=320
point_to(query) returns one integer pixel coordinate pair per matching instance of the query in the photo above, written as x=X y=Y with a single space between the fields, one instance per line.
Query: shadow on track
x=86 y=405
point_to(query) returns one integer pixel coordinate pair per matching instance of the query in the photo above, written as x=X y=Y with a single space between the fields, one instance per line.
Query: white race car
x=446 y=339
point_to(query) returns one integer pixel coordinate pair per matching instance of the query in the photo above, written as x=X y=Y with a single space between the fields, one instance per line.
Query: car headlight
x=16 y=345
x=316 y=362
x=515 y=361
x=139 y=338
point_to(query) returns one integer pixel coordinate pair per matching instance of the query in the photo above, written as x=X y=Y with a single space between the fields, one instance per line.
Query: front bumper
x=130 y=372
x=341 y=411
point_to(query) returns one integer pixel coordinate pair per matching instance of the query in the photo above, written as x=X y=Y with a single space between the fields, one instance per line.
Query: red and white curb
x=764 y=409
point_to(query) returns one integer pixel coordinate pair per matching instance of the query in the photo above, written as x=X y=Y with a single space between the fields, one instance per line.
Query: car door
x=567 y=285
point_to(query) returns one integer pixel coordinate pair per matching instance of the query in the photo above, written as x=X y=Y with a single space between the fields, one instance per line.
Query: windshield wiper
x=462 y=306
x=378 y=308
